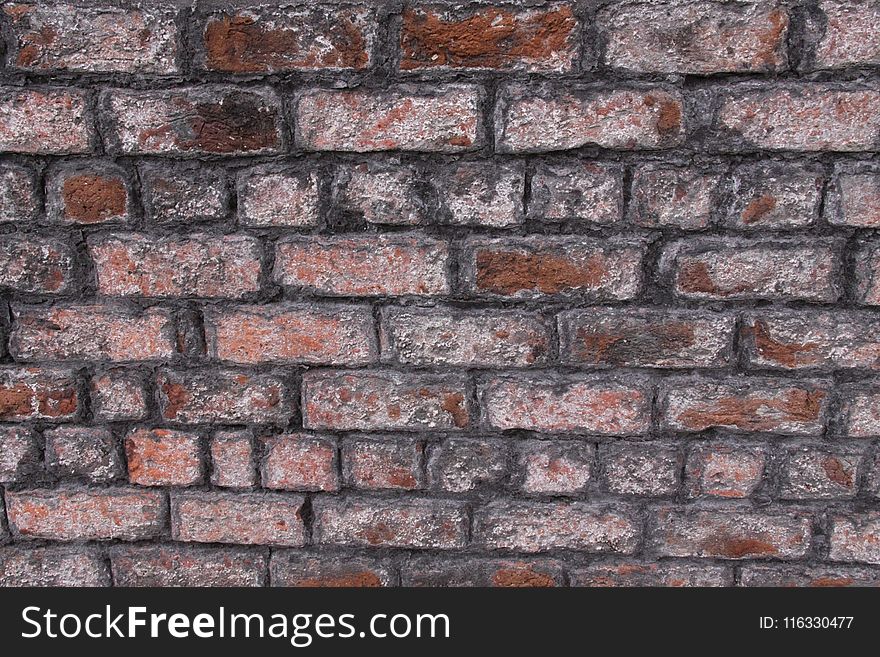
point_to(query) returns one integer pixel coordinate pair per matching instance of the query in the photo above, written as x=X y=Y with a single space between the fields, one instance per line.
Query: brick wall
x=564 y=293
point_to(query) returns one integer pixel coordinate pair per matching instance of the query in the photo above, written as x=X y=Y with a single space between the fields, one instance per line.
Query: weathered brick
x=583 y=192
x=259 y=39
x=92 y=194
x=385 y=463
x=363 y=266
x=443 y=119
x=45 y=121
x=92 y=332
x=866 y=256
x=464 y=338
x=232 y=458
x=740 y=534
x=18 y=194
x=732 y=269
x=532 y=573
x=668 y=196
x=580 y=403
x=850 y=35
x=725 y=469
x=644 y=469
x=871 y=469
x=538 y=40
x=774 y=196
x=384 y=400
x=640 y=574
x=162 y=457
x=854 y=198
x=550 y=118
x=34 y=393
x=241 y=518
x=306 y=570
x=206 y=120
x=543 y=526
x=695 y=37
x=529 y=268
x=781 y=575
x=300 y=462
x=181 y=565
x=795 y=407
x=52 y=566
x=184 y=194
x=506 y=573
x=554 y=467
x=855 y=537
x=399 y=523
x=118 y=395
x=811 y=472
x=86 y=514
x=197 y=265
x=462 y=465
x=19 y=453
x=278 y=197
x=436 y=571
x=34 y=265
x=390 y=194
x=645 y=338
x=480 y=194
x=291 y=333
x=860 y=412
x=87 y=452
x=225 y=396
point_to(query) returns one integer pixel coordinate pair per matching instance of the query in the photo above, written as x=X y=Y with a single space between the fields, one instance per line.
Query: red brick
x=399 y=523
x=732 y=269
x=196 y=265
x=681 y=198
x=42 y=121
x=860 y=412
x=866 y=256
x=184 y=193
x=161 y=457
x=33 y=393
x=89 y=195
x=640 y=574
x=19 y=453
x=259 y=39
x=34 y=265
x=305 y=570
x=180 y=565
x=278 y=197
x=86 y=514
x=542 y=39
x=725 y=469
x=554 y=467
x=644 y=469
x=855 y=537
x=818 y=473
x=695 y=37
x=577 y=403
x=300 y=462
x=795 y=407
x=92 y=332
x=242 y=518
x=850 y=36
x=52 y=566
x=205 y=120
x=524 y=574
x=582 y=192
x=774 y=196
x=225 y=396
x=462 y=465
x=387 y=463
x=437 y=336
x=781 y=575
x=550 y=118
x=443 y=119
x=645 y=338
x=480 y=194
x=287 y=333
x=18 y=194
x=531 y=268
x=232 y=457
x=118 y=395
x=87 y=452
x=506 y=573
x=391 y=194
x=363 y=266
x=543 y=526
x=854 y=199
x=384 y=400
x=739 y=534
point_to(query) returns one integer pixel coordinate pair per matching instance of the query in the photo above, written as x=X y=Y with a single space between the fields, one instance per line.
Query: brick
x=582 y=192
x=86 y=514
x=162 y=457
x=87 y=452
x=850 y=37
x=18 y=194
x=550 y=118
x=391 y=194
x=363 y=266
x=92 y=332
x=698 y=38
x=52 y=566
x=291 y=333
x=300 y=462
x=480 y=194
x=232 y=457
x=807 y=339
x=524 y=574
x=442 y=119
x=184 y=194
x=384 y=400
x=89 y=195
x=774 y=197
x=105 y=39
x=462 y=465
x=554 y=467
x=781 y=575
x=576 y=403
x=860 y=412
x=196 y=265
x=19 y=453
x=505 y=573
x=33 y=393
x=640 y=574
x=278 y=197
x=304 y=570
x=854 y=199
x=537 y=40
x=530 y=268
x=725 y=469
x=645 y=338
x=35 y=265
x=45 y=121
x=225 y=396
x=392 y=463
x=437 y=336
x=800 y=118
x=872 y=475
x=810 y=473
x=240 y=518
x=442 y=572
x=118 y=395
x=258 y=39
x=411 y=523
x=866 y=255
x=644 y=469
x=543 y=526
x=180 y=565
x=855 y=537
x=680 y=198
x=206 y=120
x=745 y=405
x=733 y=269
x=740 y=534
